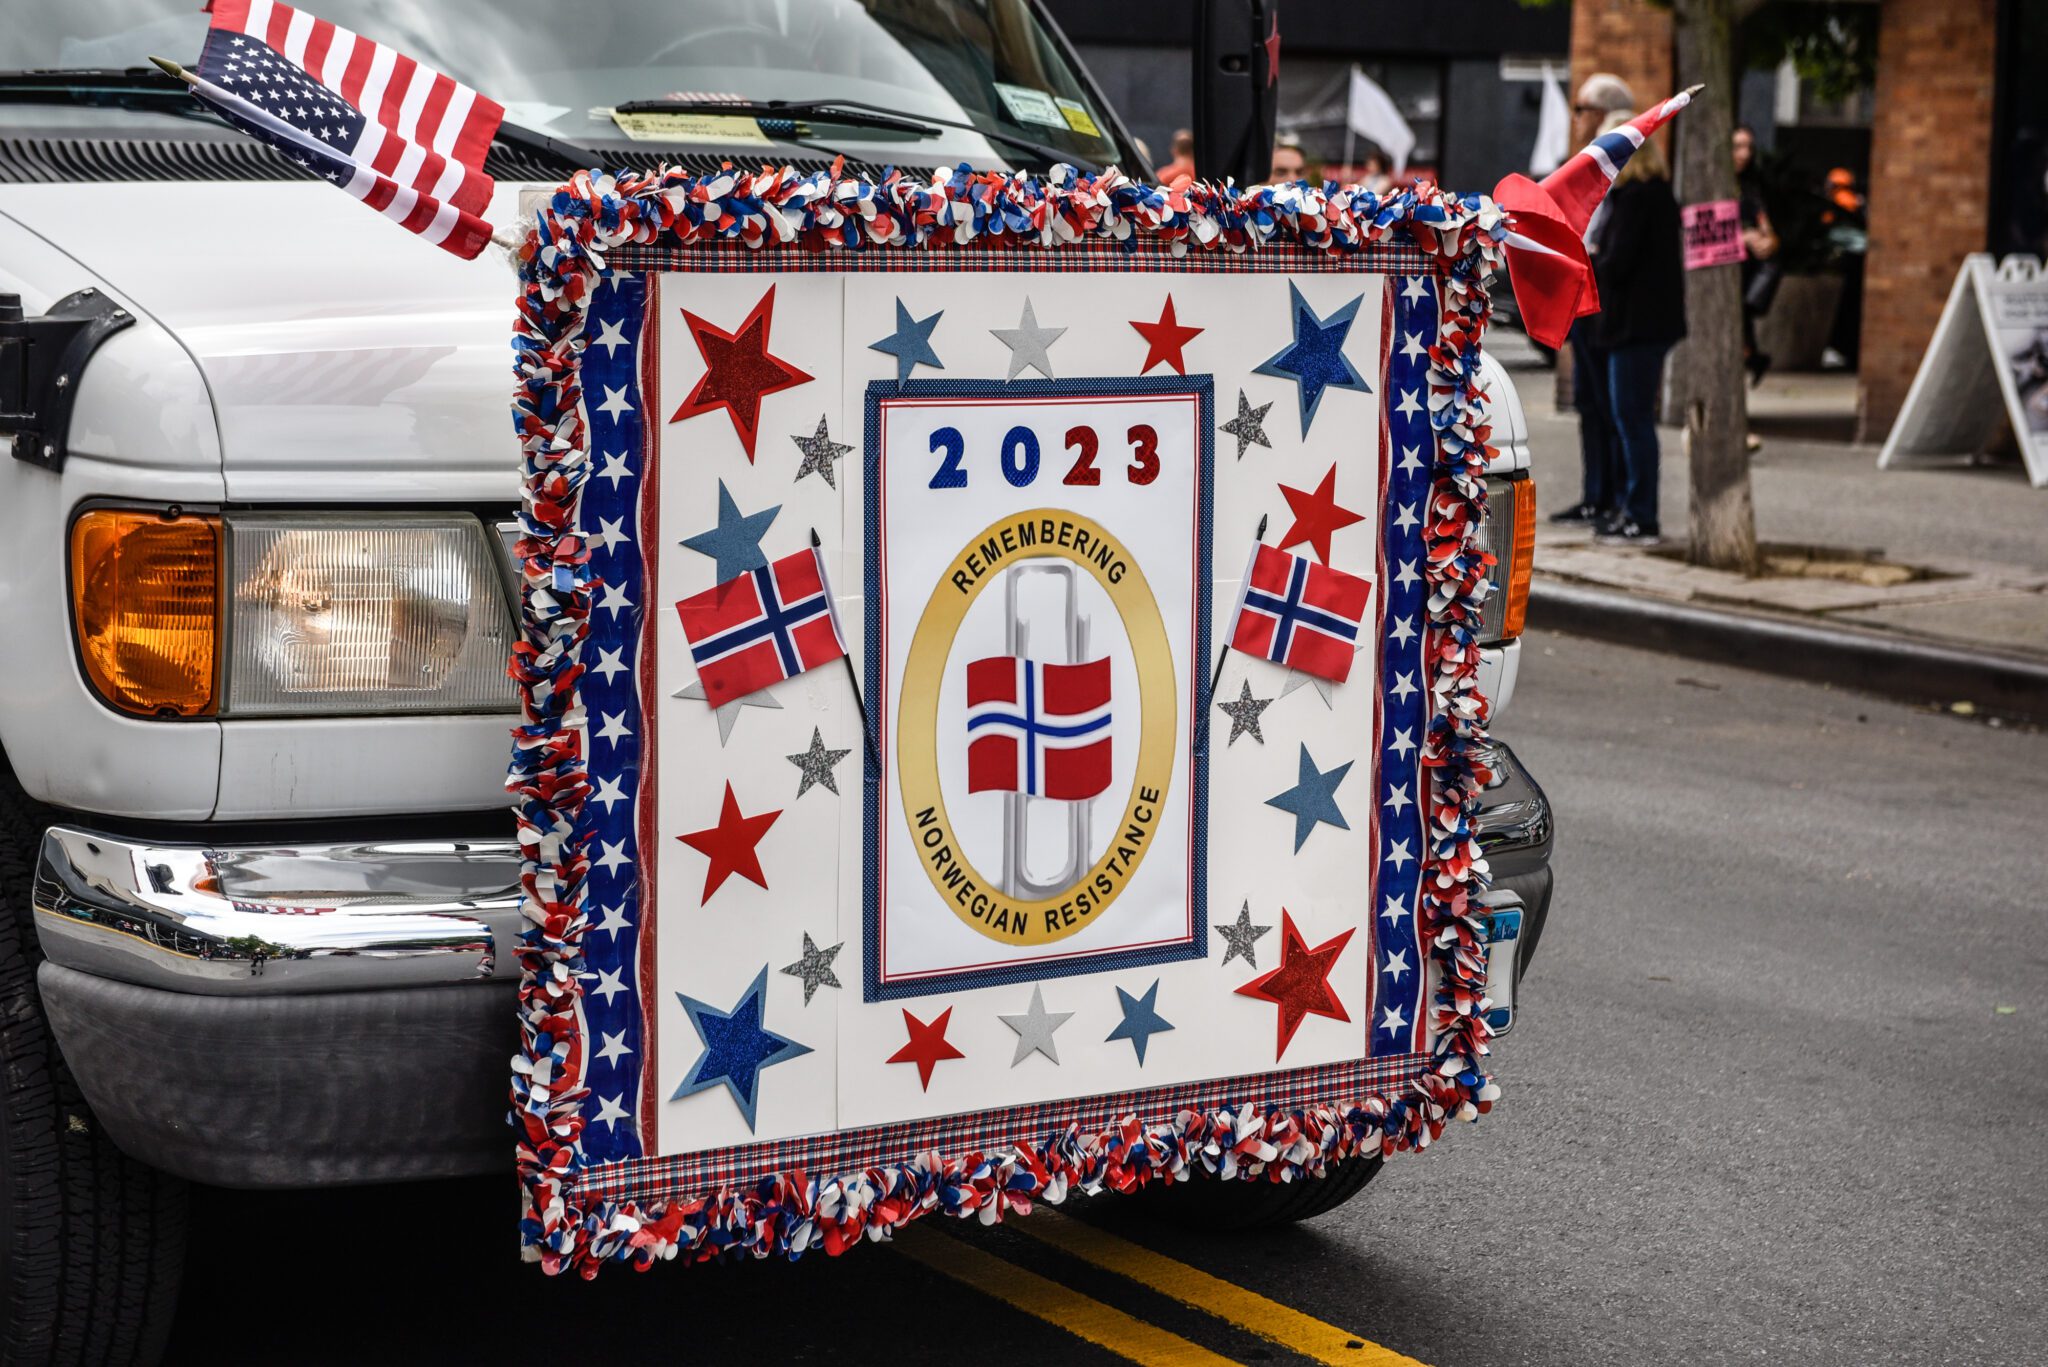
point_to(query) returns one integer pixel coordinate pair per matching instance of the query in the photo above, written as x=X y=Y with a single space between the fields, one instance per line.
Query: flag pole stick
x=853 y=682
x=499 y=237
x=1216 y=678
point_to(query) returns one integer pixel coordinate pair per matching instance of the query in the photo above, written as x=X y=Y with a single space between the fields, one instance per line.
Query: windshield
x=562 y=70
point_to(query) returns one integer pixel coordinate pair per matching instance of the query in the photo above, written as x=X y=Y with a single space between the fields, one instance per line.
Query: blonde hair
x=1648 y=162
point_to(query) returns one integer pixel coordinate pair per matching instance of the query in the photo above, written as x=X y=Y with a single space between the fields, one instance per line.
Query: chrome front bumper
x=279 y=920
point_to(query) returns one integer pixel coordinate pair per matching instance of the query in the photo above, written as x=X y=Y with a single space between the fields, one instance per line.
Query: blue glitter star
x=735 y=543
x=1315 y=360
x=911 y=342
x=736 y=1047
x=1313 y=798
x=1141 y=1022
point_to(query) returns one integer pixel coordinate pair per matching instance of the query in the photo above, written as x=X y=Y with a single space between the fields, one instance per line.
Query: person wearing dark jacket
x=1639 y=266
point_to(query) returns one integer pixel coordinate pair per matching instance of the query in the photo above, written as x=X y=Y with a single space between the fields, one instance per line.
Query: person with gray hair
x=1603 y=99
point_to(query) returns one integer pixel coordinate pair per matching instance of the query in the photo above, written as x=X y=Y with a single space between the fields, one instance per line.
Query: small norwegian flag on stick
x=1300 y=614
x=398 y=135
x=761 y=627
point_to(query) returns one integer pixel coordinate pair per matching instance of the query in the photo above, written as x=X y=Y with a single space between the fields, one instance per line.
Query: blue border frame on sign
x=1203 y=388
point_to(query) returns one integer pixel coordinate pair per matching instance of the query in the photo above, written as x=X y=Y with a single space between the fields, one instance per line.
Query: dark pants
x=1599 y=443
x=1633 y=374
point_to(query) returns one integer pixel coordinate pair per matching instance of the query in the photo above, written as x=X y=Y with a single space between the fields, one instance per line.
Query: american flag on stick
x=403 y=138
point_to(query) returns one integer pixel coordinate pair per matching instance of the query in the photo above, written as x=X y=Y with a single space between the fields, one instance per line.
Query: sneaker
x=1628 y=532
x=1579 y=515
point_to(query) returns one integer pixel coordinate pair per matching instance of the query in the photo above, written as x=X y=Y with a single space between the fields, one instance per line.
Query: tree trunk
x=1708 y=387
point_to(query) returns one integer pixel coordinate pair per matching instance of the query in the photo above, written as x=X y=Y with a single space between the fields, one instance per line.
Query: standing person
x=1639 y=266
x=1602 y=98
x=1760 y=269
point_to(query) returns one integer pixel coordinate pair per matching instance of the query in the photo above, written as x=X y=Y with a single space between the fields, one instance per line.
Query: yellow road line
x=1102 y=1325
x=1269 y=1319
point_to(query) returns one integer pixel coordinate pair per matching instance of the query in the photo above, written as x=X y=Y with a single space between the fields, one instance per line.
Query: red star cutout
x=1164 y=339
x=1316 y=515
x=730 y=845
x=1300 y=987
x=927 y=1047
x=738 y=370
x=1273 y=52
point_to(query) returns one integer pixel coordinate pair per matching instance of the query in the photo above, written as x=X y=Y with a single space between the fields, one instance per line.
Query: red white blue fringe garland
x=559 y=265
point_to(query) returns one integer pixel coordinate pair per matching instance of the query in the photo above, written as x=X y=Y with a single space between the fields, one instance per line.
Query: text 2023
x=1018 y=457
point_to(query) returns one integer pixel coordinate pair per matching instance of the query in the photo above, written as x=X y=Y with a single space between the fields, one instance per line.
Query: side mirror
x=1237 y=88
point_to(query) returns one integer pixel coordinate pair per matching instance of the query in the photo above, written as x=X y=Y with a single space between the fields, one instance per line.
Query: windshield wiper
x=146 y=87
x=853 y=114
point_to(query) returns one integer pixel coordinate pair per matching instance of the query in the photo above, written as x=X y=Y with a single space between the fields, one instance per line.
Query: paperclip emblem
x=1047 y=731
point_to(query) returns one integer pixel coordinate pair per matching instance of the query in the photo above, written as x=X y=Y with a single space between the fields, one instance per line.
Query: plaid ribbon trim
x=686 y=1175
x=1088 y=257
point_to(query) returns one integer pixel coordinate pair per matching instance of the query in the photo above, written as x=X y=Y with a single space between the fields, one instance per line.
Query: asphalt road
x=1778 y=1095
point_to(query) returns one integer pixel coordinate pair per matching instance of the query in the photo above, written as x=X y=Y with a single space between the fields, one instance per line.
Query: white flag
x=1553 y=128
x=1372 y=115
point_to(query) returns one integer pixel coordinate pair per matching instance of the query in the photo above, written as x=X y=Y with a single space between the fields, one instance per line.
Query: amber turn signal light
x=1523 y=560
x=145 y=597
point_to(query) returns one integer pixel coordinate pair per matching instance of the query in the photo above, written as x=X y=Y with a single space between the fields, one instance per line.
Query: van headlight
x=346 y=615
x=1509 y=531
x=291 y=614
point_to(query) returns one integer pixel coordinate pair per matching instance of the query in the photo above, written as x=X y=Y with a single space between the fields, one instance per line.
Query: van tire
x=92 y=1243
x=1240 y=1204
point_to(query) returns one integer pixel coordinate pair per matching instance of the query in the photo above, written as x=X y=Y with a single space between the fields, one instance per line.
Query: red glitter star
x=738 y=370
x=1316 y=515
x=1300 y=986
x=1273 y=52
x=927 y=1047
x=1164 y=339
x=730 y=845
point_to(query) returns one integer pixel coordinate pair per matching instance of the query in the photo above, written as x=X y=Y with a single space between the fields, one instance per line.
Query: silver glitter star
x=816 y=764
x=1034 y=1029
x=729 y=712
x=815 y=967
x=819 y=452
x=1240 y=936
x=1249 y=426
x=1244 y=713
x=1322 y=686
x=1028 y=344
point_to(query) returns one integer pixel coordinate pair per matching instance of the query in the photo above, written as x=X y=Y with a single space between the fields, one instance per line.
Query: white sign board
x=1991 y=345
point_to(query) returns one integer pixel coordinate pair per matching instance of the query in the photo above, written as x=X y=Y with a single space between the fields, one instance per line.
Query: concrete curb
x=1849 y=657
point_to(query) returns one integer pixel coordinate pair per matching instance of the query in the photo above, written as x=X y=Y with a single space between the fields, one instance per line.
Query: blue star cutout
x=1315 y=360
x=1313 y=798
x=911 y=342
x=1140 y=1022
x=736 y=1047
x=735 y=543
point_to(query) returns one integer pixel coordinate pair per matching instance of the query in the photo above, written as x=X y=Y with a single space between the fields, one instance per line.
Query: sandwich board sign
x=1000 y=698
x=1988 y=361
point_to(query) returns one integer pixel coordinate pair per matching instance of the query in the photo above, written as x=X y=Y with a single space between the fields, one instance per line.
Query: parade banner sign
x=1000 y=715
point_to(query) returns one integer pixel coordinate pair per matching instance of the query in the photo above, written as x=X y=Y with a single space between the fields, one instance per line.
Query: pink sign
x=1713 y=234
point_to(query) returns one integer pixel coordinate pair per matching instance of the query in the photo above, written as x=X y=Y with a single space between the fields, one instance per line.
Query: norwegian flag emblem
x=761 y=627
x=1300 y=614
x=1038 y=729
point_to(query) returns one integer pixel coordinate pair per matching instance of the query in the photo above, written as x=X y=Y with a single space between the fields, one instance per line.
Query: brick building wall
x=1930 y=185
x=1626 y=37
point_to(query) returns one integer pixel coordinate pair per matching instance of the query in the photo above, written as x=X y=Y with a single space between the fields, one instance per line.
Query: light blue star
x=736 y=1047
x=735 y=543
x=1140 y=1022
x=1315 y=360
x=1313 y=798
x=911 y=342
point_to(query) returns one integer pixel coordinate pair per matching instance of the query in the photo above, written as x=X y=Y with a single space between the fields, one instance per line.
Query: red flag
x=1553 y=278
x=1038 y=728
x=761 y=627
x=1300 y=614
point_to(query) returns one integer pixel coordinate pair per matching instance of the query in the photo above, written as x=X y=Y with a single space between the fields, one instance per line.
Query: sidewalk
x=1930 y=583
